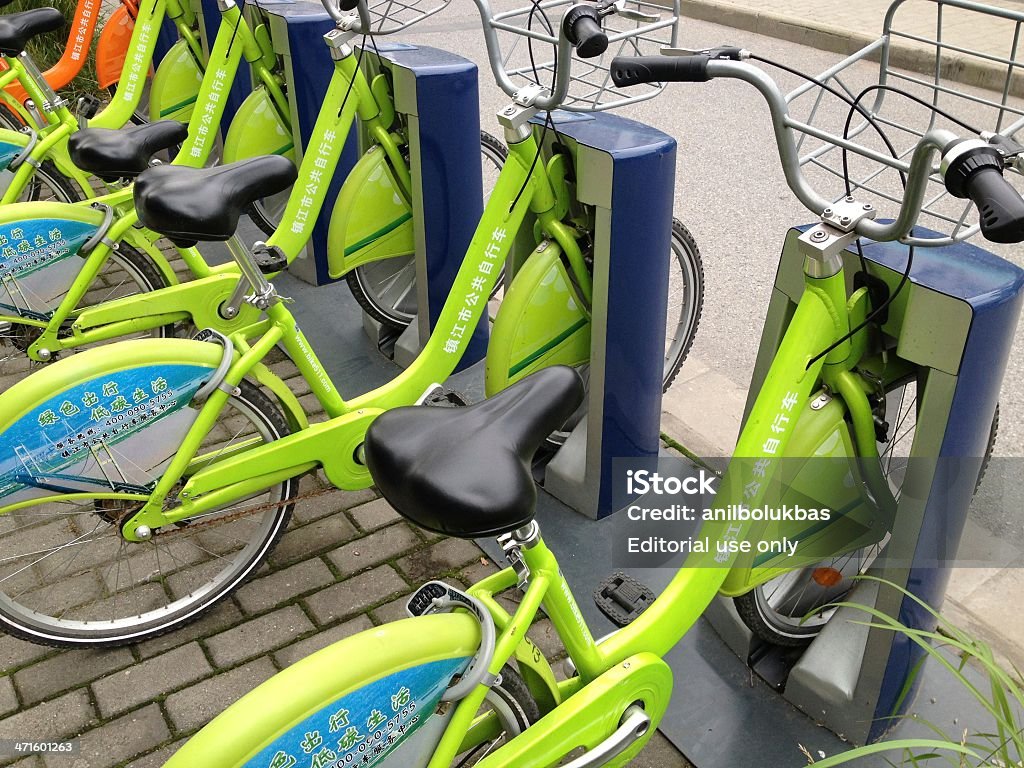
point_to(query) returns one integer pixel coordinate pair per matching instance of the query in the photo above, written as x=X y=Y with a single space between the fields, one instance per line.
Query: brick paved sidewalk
x=347 y=562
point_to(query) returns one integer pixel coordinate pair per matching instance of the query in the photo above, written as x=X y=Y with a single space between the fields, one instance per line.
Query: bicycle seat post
x=53 y=101
x=264 y=294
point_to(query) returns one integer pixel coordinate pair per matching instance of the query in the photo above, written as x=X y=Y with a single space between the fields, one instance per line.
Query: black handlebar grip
x=582 y=27
x=348 y=5
x=633 y=70
x=978 y=174
x=1000 y=206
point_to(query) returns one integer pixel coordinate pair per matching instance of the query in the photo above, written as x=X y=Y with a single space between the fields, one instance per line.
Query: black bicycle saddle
x=125 y=152
x=465 y=472
x=16 y=29
x=201 y=204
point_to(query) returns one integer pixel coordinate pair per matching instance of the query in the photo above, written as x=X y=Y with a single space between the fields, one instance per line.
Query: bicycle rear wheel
x=128 y=272
x=791 y=609
x=384 y=712
x=67 y=577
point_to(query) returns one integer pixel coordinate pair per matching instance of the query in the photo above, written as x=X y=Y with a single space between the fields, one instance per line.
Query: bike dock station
x=626 y=170
x=435 y=92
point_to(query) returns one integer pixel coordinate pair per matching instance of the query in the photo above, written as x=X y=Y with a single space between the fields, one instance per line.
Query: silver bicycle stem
x=920 y=169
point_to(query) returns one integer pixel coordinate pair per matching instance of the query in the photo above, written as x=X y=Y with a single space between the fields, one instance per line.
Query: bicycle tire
x=791 y=630
x=366 y=281
x=168 y=587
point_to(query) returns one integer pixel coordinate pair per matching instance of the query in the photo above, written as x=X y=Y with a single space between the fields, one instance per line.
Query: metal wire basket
x=956 y=56
x=385 y=17
x=526 y=42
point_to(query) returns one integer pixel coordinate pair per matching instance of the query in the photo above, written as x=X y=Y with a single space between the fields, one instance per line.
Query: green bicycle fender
x=257 y=129
x=111 y=393
x=11 y=145
x=540 y=322
x=831 y=479
x=371 y=220
x=138 y=240
x=38 y=244
x=293 y=410
x=175 y=85
x=397 y=672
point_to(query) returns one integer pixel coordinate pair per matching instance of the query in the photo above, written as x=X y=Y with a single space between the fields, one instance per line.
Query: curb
x=956 y=67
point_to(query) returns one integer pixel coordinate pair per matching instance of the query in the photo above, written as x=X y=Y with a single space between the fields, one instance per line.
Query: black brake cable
x=536 y=77
x=855 y=107
x=359 y=61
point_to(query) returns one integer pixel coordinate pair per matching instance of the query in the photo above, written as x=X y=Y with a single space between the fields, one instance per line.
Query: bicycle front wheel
x=67 y=577
x=791 y=609
x=386 y=289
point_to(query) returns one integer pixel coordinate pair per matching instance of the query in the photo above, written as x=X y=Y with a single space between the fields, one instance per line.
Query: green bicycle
x=123 y=285
x=158 y=474
x=459 y=683
x=34 y=138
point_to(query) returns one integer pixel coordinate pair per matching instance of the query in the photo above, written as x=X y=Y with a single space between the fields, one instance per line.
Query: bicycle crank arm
x=635 y=724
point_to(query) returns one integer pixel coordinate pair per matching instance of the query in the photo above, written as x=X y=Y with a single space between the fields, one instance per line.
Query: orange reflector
x=827 y=577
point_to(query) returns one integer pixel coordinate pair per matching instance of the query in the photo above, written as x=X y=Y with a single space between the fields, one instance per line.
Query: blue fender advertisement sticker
x=8 y=152
x=93 y=436
x=362 y=728
x=35 y=271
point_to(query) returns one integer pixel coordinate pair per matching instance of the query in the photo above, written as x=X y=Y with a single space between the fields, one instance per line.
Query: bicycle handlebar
x=968 y=168
x=580 y=28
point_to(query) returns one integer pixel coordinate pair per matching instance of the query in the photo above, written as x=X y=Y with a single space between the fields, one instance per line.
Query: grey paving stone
x=330 y=503
x=300 y=650
x=478 y=570
x=8 y=698
x=355 y=595
x=15 y=652
x=441 y=558
x=391 y=611
x=68 y=670
x=373 y=549
x=543 y=634
x=123 y=690
x=157 y=758
x=374 y=515
x=59 y=718
x=194 y=707
x=300 y=543
x=281 y=586
x=224 y=614
x=258 y=636
x=116 y=741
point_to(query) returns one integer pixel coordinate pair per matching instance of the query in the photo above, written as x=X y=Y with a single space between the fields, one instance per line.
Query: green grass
x=1000 y=693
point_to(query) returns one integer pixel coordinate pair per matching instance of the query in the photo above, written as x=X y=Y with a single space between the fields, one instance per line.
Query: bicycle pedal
x=88 y=105
x=622 y=598
x=270 y=259
x=446 y=398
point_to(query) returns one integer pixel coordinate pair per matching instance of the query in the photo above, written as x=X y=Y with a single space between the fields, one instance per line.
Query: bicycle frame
x=821 y=317
x=333 y=444
x=196 y=300
x=76 y=52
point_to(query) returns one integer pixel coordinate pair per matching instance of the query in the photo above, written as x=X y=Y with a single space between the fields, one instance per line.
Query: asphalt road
x=730 y=189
